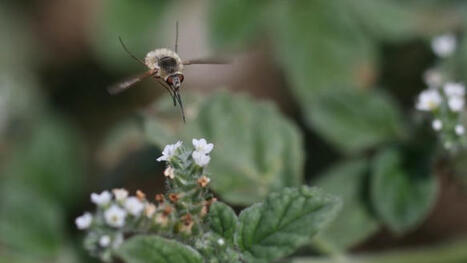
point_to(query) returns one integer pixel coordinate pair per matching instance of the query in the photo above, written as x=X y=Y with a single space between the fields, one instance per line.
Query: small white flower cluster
x=200 y=154
x=114 y=210
x=443 y=98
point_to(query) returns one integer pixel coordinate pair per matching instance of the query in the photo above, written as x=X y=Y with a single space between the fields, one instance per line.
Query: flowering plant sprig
x=444 y=99
x=187 y=224
x=177 y=214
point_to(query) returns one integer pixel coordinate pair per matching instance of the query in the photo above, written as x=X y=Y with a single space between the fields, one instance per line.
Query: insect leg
x=163 y=84
x=177 y=94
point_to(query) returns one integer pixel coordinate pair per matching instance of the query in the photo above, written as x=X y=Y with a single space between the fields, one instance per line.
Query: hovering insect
x=165 y=67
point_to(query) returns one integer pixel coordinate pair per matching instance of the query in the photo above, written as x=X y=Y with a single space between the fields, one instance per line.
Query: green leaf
x=385 y=19
x=284 y=222
x=51 y=162
x=222 y=220
x=256 y=149
x=234 y=22
x=403 y=190
x=29 y=222
x=354 y=223
x=356 y=120
x=154 y=249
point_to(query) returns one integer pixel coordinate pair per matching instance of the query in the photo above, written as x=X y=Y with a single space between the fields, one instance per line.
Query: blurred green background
x=320 y=92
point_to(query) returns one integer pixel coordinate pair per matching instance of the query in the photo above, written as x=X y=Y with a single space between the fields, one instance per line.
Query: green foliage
x=257 y=150
x=284 y=222
x=151 y=249
x=41 y=180
x=135 y=22
x=403 y=190
x=354 y=223
x=223 y=220
x=326 y=45
x=356 y=120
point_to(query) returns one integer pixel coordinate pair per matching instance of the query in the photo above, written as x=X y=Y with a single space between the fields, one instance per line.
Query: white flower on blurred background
x=452 y=89
x=169 y=151
x=202 y=146
x=437 y=125
x=101 y=199
x=169 y=172
x=456 y=104
x=455 y=93
x=120 y=194
x=200 y=158
x=444 y=45
x=220 y=241
x=433 y=78
x=459 y=129
x=428 y=100
x=84 y=221
x=134 y=206
x=104 y=241
x=115 y=216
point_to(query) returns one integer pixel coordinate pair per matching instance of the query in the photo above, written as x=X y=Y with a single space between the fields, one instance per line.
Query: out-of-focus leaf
x=320 y=47
x=223 y=220
x=124 y=138
x=151 y=249
x=403 y=190
x=256 y=150
x=354 y=223
x=283 y=222
x=51 y=162
x=28 y=222
x=356 y=120
x=386 y=19
x=235 y=21
x=136 y=22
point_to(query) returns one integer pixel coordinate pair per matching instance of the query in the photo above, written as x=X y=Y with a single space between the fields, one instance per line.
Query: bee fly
x=166 y=68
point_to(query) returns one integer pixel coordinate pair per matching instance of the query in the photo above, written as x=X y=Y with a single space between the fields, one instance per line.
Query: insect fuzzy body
x=166 y=67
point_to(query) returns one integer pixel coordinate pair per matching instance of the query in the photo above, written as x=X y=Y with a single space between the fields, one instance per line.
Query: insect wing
x=207 y=61
x=122 y=86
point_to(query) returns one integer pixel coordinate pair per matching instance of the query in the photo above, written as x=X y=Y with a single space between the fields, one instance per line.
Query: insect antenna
x=129 y=53
x=176 y=37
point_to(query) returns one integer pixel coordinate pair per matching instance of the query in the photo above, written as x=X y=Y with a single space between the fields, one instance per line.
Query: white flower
x=220 y=241
x=104 y=241
x=428 y=100
x=169 y=172
x=115 y=216
x=202 y=146
x=118 y=240
x=120 y=194
x=454 y=89
x=433 y=78
x=200 y=159
x=437 y=125
x=134 y=206
x=456 y=104
x=84 y=221
x=101 y=199
x=169 y=151
x=459 y=129
x=444 y=45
